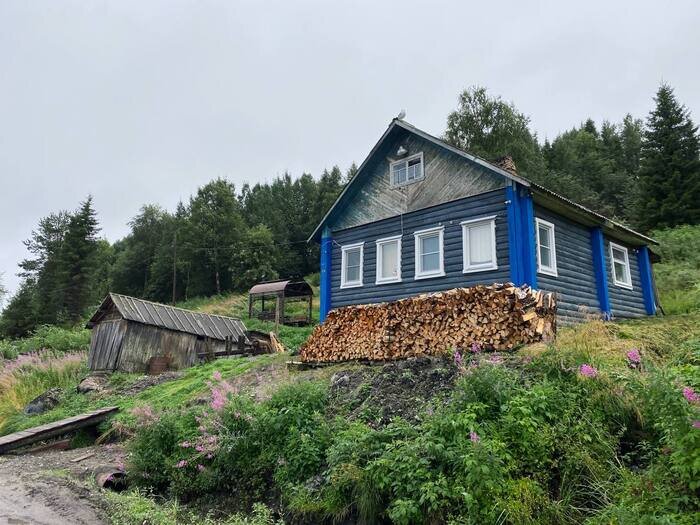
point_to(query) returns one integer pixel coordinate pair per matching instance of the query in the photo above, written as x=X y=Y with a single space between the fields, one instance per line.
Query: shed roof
x=547 y=196
x=289 y=287
x=164 y=316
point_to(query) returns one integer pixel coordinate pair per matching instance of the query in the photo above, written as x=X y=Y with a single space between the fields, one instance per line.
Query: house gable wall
x=447 y=177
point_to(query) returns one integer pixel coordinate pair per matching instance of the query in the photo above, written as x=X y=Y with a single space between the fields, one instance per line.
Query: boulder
x=93 y=383
x=44 y=402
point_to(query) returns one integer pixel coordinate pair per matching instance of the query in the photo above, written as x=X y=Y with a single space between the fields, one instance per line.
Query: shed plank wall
x=142 y=342
x=448 y=177
x=575 y=283
x=450 y=215
x=105 y=344
x=624 y=302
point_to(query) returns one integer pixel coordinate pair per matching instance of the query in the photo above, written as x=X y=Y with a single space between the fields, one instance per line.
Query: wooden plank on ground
x=57 y=428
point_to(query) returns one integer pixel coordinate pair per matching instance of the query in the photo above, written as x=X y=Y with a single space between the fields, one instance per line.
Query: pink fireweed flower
x=218 y=399
x=181 y=464
x=475 y=348
x=495 y=360
x=587 y=370
x=474 y=437
x=201 y=468
x=690 y=395
x=634 y=356
x=458 y=358
x=216 y=376
x=185 y=444
x=199 y=448
x=696 y=423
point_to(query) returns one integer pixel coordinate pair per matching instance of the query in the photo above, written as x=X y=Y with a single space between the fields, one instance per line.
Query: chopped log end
x=497 y=317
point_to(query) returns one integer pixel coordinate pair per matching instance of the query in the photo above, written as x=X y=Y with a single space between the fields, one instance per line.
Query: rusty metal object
x=158 y=364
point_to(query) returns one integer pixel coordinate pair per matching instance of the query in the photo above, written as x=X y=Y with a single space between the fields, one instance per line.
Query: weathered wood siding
x=449 y=215
x=575 y=282
x=142 y=342
x=105 y=344
x=448 y=177
x=625 y=302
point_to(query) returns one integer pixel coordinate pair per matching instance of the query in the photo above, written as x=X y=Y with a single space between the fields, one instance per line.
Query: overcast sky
x=142 y=102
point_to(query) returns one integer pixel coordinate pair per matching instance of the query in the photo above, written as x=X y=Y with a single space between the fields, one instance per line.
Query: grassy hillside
x=600 y=427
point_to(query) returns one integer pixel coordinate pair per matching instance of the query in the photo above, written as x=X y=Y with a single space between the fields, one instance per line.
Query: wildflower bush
x=559 y=437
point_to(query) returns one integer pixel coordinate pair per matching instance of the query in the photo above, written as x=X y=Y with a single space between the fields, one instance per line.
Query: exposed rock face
x=44 y=402
x=93 y=383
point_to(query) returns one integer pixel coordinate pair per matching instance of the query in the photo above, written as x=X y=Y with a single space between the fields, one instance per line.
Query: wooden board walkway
x=57 y=428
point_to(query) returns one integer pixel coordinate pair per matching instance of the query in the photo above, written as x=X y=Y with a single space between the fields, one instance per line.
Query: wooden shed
x=133 y=335
x=288 y=302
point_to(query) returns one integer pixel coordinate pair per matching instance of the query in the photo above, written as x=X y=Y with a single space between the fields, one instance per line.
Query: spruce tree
x=77 y=260
x=669 y=176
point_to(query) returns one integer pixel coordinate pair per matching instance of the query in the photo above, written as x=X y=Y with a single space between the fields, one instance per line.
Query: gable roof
x=170 y=317
x=544 y=195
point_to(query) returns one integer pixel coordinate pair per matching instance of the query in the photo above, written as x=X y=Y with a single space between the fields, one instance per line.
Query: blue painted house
x=422 y=216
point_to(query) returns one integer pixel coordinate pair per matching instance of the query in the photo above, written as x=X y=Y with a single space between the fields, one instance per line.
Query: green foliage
x=529 y=441
x=491 y=127
x=678 y=273
x=669 y=177
x=136 y=508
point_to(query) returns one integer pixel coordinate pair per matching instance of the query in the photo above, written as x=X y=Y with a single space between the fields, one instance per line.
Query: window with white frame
x=406 y=170
x=479 y=244
x=351 y=265
x=546 y=248
x=429 y=253
x=619 y=258
x=389 y=260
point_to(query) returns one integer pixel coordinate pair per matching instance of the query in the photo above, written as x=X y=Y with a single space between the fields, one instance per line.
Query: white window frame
x=467 y=267
x=406 y=161
x=343 y=265
x=379 y=243
x=547 y=270
x=616 y=281
x=417 y=236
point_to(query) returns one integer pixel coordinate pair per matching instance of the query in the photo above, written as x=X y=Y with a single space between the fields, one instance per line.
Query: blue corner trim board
x=513 y=215
x=326 y=250
x=521 y=236
x=647 y=282
x=601 y=274
x=529 y=245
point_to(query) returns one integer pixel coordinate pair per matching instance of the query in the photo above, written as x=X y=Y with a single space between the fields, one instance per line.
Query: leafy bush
x=678 y=273
x=46 y=337
x=567 y=434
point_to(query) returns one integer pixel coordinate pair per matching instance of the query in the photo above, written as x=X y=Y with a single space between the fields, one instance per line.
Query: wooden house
x=421 y=216
x=133 y=335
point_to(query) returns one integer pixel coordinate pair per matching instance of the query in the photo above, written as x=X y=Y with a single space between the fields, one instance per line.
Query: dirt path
x=49 y=489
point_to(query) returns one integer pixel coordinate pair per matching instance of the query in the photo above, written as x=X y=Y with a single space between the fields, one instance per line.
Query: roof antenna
x=401 y=115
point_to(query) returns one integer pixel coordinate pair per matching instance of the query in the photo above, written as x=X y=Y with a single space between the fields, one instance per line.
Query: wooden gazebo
x=284 y=301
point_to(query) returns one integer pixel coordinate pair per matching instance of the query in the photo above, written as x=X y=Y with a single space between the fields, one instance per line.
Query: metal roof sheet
x=170 y=317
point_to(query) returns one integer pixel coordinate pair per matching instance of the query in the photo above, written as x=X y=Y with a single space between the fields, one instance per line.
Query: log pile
x=497 y=317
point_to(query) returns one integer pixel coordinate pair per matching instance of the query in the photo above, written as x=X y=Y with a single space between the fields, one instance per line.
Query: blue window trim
x=644 y=262
x=601 y=274
x=326 y=251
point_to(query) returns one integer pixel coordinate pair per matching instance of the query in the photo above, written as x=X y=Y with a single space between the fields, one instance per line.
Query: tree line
x=643 y=173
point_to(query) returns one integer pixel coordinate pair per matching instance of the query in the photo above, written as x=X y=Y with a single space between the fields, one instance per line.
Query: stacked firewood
x=497 y=317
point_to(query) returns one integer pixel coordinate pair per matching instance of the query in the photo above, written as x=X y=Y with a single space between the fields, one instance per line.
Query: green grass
x=137 y=508
x=678 y=273
x=236 y=305
x=46 y=337
x=176 y=393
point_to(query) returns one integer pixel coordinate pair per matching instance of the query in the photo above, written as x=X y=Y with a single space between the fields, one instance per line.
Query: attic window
x=406 y=171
